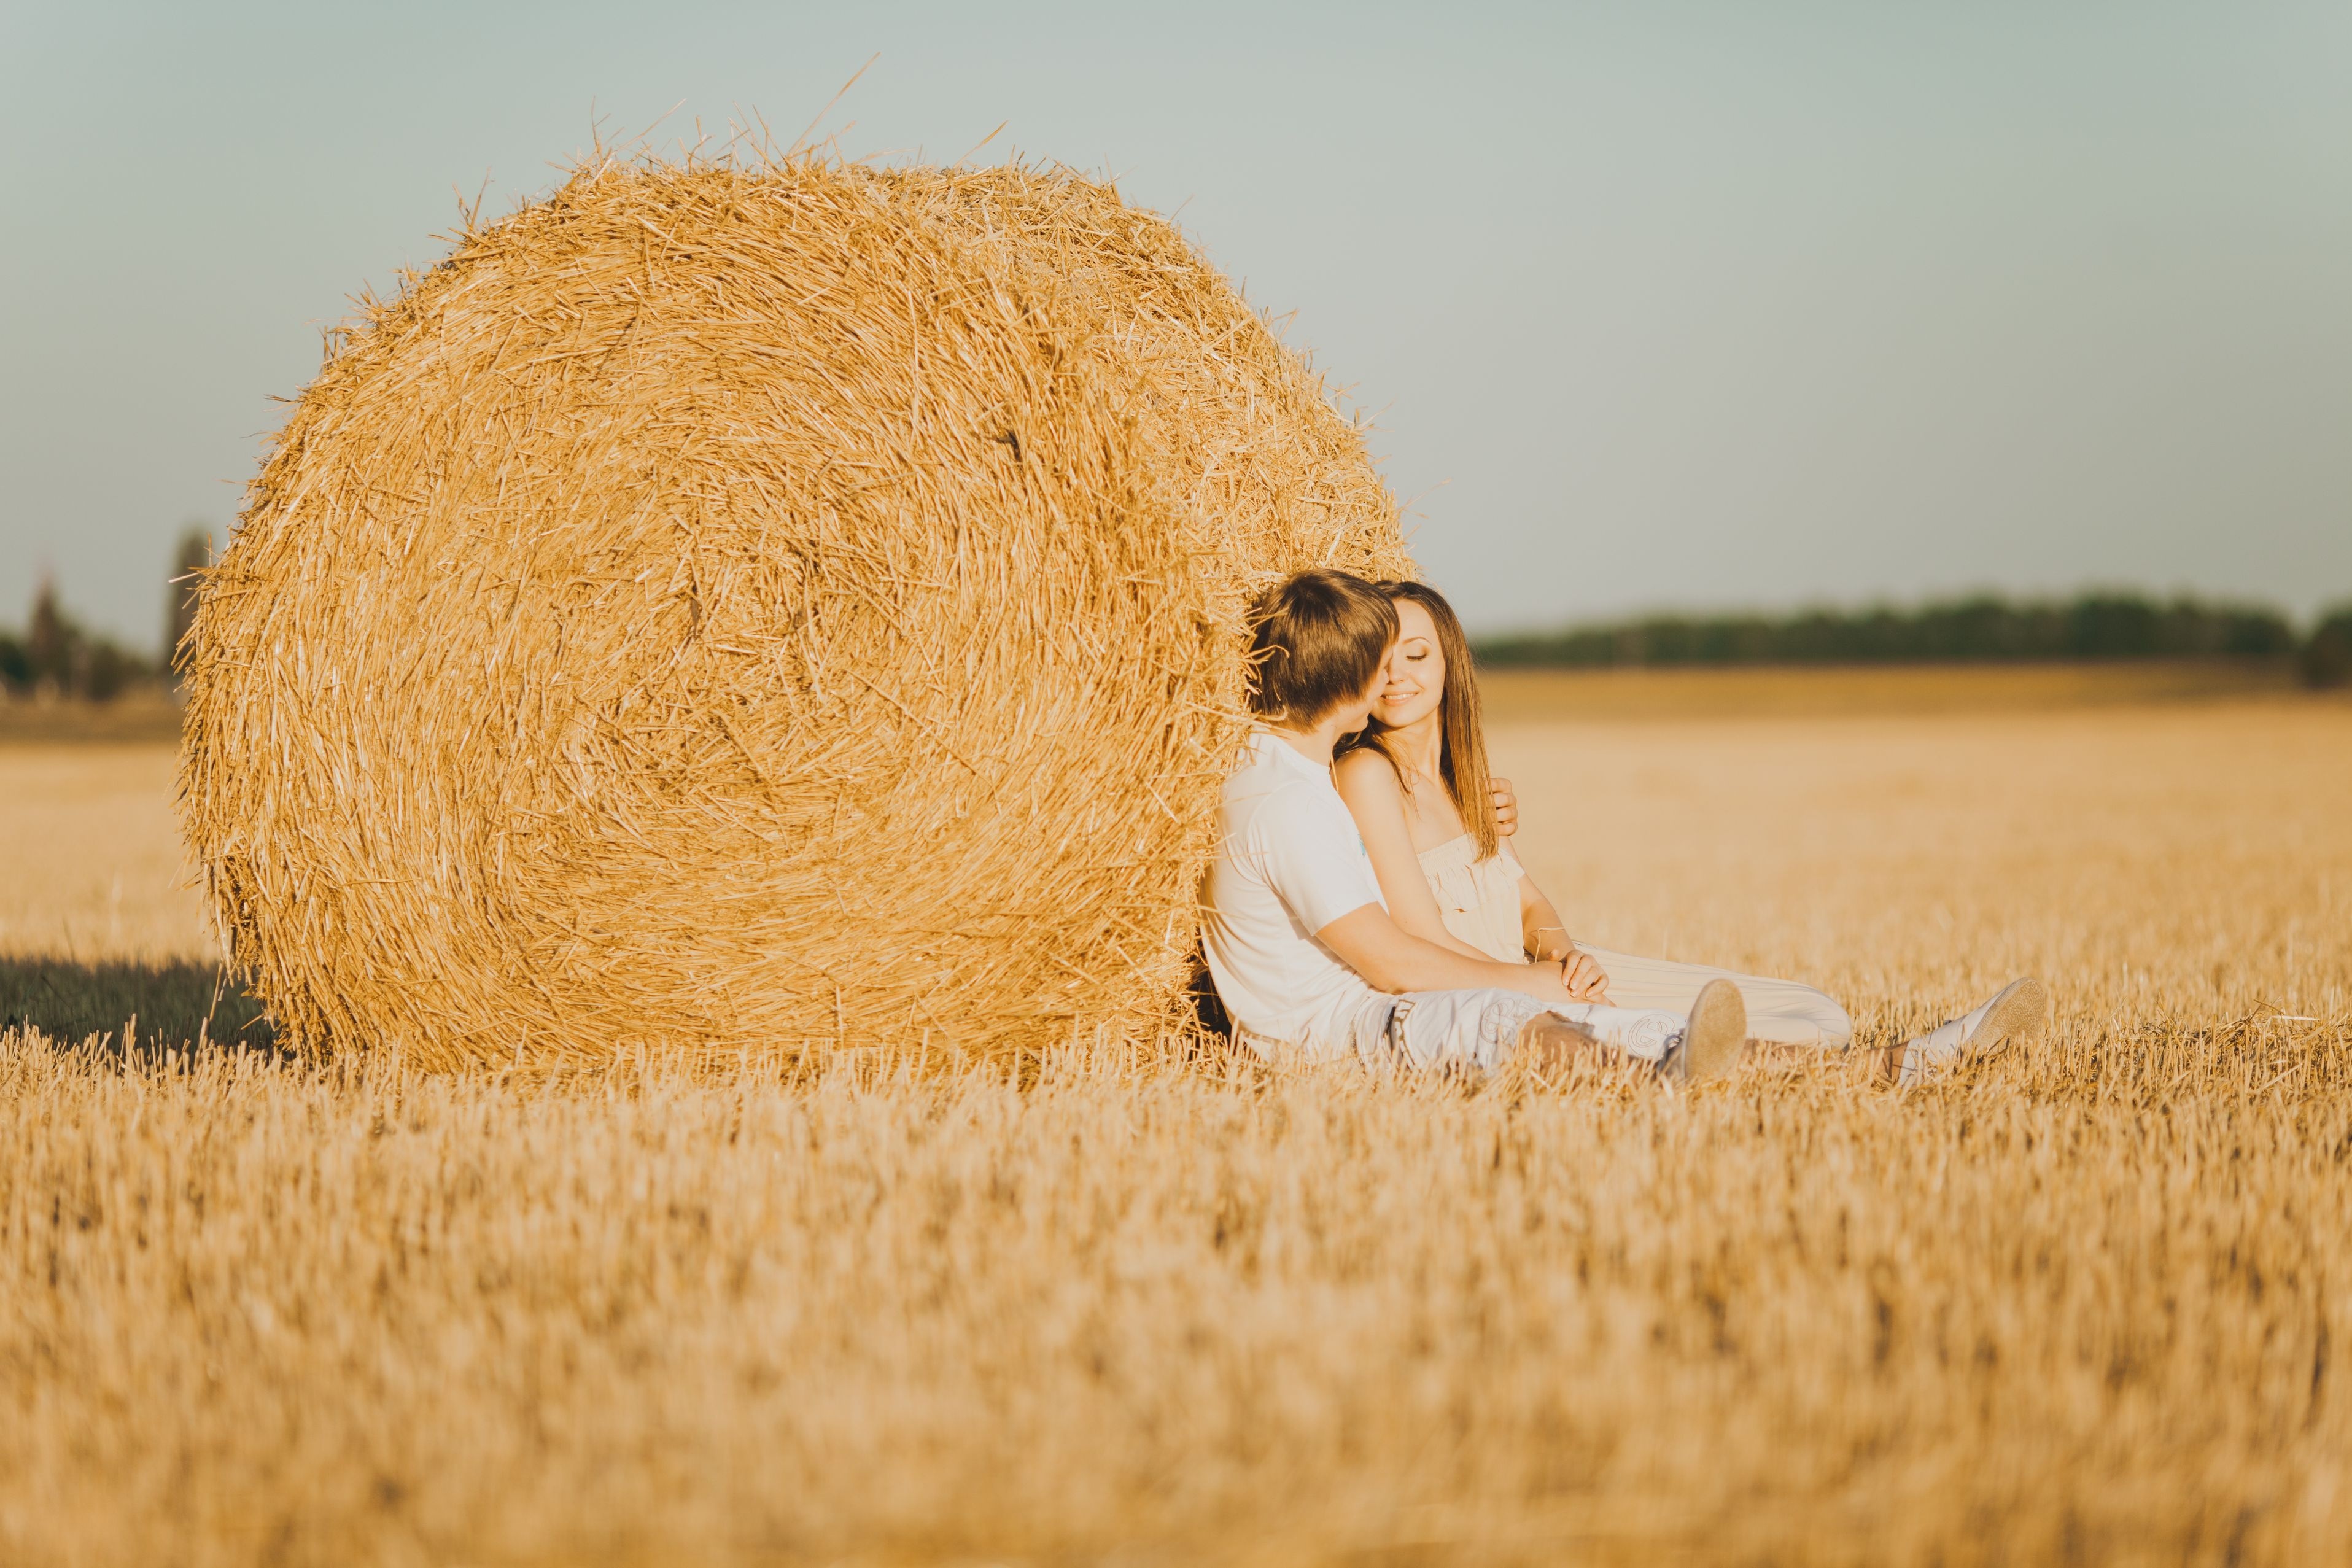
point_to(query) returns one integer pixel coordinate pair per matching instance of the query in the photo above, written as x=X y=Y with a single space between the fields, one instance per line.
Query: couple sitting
x=1371 y=909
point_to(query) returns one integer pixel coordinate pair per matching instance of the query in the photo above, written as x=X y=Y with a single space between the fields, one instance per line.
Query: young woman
x=1417 y=784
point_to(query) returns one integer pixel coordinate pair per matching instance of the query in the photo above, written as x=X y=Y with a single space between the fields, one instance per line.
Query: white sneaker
x=2017 y=1014
x=1715 y=1038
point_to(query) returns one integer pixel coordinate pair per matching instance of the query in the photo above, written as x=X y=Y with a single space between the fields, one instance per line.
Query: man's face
x=1358 y=710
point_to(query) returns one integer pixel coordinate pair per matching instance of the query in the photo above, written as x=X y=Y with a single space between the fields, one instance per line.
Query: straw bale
x=726 y=608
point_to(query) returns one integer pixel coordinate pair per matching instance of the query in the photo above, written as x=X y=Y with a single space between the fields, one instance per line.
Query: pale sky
x=1748 y=304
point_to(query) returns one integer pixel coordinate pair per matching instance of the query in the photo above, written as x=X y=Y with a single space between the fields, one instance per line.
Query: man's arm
x=1393 y=959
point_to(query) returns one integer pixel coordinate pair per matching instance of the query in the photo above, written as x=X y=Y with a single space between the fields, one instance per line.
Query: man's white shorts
x=1477 y=1030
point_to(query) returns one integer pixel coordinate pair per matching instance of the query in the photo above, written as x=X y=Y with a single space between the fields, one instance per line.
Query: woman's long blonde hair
x=1462 y=738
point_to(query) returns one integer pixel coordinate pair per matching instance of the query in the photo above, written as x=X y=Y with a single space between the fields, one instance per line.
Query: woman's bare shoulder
x=1367 y=769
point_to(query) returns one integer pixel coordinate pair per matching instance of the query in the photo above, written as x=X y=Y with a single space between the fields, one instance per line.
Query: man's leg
x=1551 y=1046
x=1480 y=1030
x=1466 y=1031
x=1707 y=1040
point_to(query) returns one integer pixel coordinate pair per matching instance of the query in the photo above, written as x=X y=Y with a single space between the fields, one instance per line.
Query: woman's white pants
x=1781 y=1011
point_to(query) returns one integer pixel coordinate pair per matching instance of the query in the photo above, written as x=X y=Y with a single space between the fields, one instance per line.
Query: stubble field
x=2089 y=1304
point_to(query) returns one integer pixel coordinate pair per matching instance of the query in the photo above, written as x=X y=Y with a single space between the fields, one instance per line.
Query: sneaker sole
x=1717 y=1037
x=2017 y=1015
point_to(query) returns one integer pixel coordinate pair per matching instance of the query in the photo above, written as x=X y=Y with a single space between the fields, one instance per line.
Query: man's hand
x=1507 y=807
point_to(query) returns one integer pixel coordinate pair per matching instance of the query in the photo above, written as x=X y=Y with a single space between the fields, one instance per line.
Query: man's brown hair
x=1315 y=641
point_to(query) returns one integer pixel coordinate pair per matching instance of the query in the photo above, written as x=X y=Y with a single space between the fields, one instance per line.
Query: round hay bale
x=722 y=609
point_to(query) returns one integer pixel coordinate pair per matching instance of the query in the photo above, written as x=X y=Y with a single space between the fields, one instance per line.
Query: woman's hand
x=1507 y=807
x=1584 y=980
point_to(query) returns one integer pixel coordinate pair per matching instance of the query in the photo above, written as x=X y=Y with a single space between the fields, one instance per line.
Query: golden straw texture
x=727 y=609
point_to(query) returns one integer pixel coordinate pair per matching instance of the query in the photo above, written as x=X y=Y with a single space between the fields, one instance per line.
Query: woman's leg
x=1780 y=1012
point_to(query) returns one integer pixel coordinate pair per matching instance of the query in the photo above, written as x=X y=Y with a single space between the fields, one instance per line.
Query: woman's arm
x=1548 y=942
x=1368 y=782
x=1540 y=923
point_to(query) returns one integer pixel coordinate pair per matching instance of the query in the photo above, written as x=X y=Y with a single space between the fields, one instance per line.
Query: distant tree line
x=1981 y=630
x=55 y=656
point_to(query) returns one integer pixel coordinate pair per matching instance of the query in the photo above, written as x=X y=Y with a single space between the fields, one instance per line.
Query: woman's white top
x=1478 y=900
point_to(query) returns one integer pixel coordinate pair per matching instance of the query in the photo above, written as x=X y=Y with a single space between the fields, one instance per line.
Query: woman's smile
x=1416 y=669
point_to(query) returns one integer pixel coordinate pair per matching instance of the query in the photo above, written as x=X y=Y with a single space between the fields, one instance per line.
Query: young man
x=1297 y=935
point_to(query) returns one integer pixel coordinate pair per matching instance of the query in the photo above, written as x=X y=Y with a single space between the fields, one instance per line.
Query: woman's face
x=1416 y=671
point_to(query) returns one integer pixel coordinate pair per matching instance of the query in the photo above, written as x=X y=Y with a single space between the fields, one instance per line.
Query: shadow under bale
x=158 y=1005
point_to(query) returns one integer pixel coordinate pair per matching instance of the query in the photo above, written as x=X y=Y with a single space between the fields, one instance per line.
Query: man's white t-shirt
x=1290 y=863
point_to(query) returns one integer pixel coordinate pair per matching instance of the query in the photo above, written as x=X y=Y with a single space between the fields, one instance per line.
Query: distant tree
x=57 y=658
x=179 y=613
x=2327 y=658
x=51 y=642
x=107 y=668
x=15 y=664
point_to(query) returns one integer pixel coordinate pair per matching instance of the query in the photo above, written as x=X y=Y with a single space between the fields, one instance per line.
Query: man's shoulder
x=1266 y=767
x=1270 y=792
x=1303 y=816
x=1270 y=799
